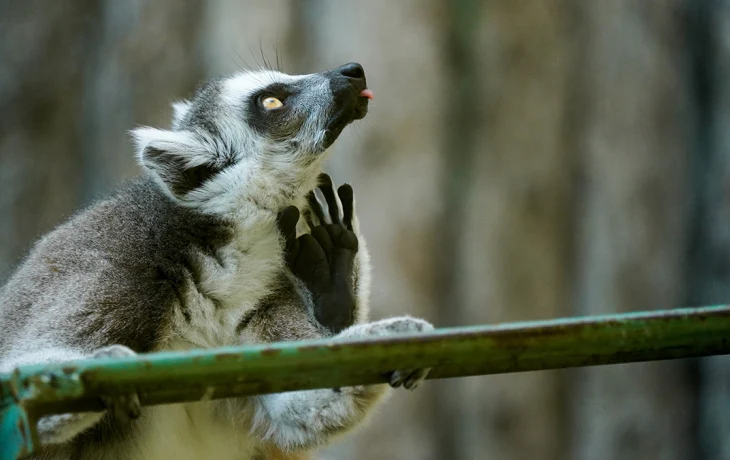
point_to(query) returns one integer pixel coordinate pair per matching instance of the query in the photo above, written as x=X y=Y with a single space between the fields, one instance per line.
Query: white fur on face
x=238 y=87
x=248 y=167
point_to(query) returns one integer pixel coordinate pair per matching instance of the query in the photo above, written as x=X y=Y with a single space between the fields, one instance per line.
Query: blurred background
x=523 y=159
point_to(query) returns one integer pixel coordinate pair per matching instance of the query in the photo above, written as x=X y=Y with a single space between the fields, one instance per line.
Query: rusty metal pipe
x=228 y=372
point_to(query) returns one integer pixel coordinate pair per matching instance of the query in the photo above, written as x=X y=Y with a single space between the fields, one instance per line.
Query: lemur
x=208 y=248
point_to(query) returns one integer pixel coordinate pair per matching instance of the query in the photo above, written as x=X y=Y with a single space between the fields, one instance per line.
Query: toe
x=124 y=408
x=408 y=379
x=415 y=378
x=133 y=406
x=397 y=378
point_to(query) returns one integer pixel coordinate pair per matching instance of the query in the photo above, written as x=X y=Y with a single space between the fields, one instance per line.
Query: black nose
x=351 y=70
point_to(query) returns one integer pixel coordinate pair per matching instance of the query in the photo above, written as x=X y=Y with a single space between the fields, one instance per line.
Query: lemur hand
x=125 y=407
x=324 y=259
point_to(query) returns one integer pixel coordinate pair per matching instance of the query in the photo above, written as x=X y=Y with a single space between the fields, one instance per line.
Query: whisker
x=243 y=65
x=263 y=56
x=276 y=50
x=250 y=50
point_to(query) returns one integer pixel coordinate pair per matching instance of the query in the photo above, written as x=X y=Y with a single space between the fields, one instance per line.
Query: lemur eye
x=271 y=103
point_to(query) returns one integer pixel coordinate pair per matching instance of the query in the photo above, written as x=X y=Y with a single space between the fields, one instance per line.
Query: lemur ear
x=179 y=110
x=178 y=158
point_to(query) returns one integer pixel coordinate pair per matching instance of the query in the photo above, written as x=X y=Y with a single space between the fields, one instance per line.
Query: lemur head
x=257 y=137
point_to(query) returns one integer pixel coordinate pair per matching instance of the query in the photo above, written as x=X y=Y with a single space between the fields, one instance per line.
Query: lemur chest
x=230 y=281
x=188 y=431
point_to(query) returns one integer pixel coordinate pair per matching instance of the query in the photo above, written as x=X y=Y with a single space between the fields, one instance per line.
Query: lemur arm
x=302 y=420
x=327 y=262
x=59 y=428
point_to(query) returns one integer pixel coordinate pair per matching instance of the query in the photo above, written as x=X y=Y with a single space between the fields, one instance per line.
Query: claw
x=416 y=377
x=408 y=379
x=396 y=379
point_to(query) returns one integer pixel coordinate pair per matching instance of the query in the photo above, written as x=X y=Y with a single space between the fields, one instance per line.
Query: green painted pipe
x=33 y=391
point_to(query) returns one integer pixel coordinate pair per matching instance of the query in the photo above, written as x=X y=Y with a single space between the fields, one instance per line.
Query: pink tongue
x=368 y=94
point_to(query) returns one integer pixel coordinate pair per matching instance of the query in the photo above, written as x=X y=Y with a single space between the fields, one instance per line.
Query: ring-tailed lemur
x=207 y=249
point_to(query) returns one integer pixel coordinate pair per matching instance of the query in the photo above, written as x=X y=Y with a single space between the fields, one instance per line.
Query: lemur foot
x=125 y=407
x=408 y=378
x=324 y=259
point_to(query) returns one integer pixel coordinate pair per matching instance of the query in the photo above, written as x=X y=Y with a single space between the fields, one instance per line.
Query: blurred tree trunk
x=76 y=76
x=145 y=56
x=42 y=54
x=633 y=223
x=509 y=181
x=709 y=269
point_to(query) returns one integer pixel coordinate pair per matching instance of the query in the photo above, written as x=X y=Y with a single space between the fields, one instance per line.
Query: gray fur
x=122 y=265
x=189 y=256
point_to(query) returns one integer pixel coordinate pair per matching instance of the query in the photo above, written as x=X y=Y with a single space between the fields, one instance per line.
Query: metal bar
x=227 y=372
x=16 y=432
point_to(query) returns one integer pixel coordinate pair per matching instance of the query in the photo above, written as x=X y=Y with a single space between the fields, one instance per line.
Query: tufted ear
x=179 y=110
x=178 y=158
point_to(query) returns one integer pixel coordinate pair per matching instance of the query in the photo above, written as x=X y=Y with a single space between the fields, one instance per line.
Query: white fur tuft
x=174 y=142
x=179 y=110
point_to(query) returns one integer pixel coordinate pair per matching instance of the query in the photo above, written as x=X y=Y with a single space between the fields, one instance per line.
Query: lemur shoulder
x=209 y=248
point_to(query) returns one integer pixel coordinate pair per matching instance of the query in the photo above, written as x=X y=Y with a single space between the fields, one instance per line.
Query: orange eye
x=271 y=103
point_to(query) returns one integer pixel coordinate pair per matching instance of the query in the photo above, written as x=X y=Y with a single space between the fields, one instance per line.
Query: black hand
x=286 y=221
x=324 y=260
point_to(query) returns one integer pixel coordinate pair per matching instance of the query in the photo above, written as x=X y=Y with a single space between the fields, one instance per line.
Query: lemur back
x=128 y=257
x=231 y=236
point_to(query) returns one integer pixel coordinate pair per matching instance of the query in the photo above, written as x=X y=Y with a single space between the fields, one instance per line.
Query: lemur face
x=307 y=113
x=254 y=129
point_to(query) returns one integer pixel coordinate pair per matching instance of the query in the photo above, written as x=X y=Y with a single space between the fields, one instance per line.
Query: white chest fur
x=230 y=282
x=188 y=431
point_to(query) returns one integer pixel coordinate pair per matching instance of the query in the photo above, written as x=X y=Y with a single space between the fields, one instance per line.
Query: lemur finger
x=323 y=238
x=311 y=264
x=312 y=267
x=315 y=208
x=327 y=188
x=342 y=237
x=311 y=251
x=286 y=221
x=348 y=204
